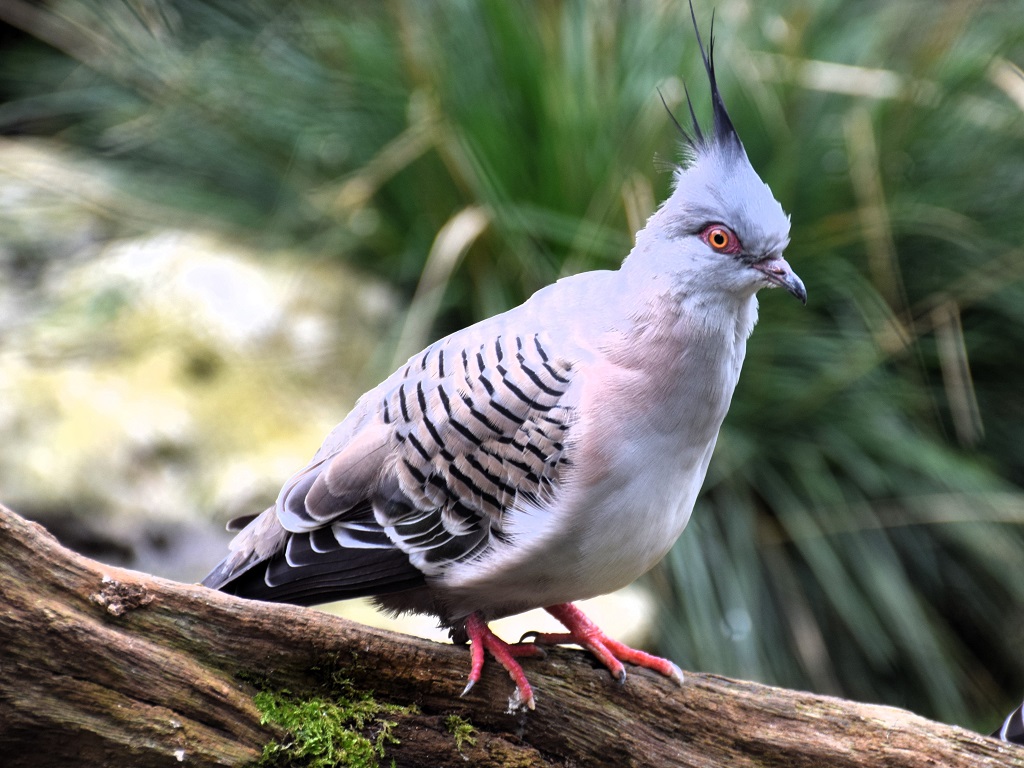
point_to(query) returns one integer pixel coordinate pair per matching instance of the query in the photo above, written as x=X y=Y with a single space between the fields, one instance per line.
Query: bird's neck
x=688 y=348
x=689 y=317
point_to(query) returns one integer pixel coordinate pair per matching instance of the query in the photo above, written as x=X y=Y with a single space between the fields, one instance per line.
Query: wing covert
x=477 y=431
x=426 y=469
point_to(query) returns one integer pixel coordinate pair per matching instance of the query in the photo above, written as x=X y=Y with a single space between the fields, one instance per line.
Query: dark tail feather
x=340 y=574
x=227 y=570
x=1012 y=729
x=236 y=524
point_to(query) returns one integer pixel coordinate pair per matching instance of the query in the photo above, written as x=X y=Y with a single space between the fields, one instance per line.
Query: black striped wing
x=477 y=432
x=422 y=474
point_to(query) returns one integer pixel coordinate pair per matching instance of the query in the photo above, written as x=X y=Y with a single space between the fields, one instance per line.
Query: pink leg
x=610 y=652
x=482 y=638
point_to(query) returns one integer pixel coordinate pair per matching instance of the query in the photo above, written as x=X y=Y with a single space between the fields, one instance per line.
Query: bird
x=547 y=454
x=1012 y=729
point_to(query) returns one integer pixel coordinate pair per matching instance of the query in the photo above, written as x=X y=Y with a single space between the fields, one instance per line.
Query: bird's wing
x=463 y=433
x=427 y=467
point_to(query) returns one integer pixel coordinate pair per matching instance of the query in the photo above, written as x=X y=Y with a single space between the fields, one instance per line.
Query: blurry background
x=220 y=222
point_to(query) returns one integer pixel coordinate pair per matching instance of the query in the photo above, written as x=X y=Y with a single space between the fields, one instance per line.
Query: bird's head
x=721 y=229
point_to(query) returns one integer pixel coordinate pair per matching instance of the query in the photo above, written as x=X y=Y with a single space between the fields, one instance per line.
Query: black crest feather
x=724 y=130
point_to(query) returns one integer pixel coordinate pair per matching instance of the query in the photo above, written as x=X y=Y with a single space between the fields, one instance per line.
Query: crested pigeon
x=548 y=454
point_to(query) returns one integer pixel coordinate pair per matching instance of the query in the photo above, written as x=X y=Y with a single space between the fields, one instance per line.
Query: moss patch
x=462 y=730
x=348 y=728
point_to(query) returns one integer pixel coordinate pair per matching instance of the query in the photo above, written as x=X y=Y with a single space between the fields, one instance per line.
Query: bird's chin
x=777 y=272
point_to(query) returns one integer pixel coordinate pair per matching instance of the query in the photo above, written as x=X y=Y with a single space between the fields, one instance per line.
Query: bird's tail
x=1012 y=729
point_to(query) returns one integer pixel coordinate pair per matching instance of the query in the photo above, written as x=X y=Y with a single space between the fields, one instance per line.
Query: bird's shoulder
x=492 y=377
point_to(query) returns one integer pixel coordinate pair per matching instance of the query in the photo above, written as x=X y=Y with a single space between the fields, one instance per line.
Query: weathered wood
x=103 y=666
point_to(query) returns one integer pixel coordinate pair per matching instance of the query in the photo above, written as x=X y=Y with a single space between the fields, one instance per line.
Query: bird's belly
x=603 y=536
x=626 y=526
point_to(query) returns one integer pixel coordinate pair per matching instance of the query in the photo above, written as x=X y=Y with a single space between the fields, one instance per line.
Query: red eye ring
x=720 y=238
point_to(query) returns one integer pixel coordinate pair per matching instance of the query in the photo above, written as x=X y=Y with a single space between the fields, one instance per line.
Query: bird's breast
x=639 y=452
x=646 y=422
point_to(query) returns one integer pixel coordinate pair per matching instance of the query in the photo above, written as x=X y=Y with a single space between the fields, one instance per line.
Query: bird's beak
x=778 y=272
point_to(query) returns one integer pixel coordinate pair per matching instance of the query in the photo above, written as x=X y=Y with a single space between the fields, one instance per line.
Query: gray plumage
x=548 y=454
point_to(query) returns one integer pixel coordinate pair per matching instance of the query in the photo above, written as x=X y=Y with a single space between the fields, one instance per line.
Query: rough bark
x=103 y=666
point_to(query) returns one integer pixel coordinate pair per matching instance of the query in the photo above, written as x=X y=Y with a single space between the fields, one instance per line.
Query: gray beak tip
x=797 y=289
x=778 y=272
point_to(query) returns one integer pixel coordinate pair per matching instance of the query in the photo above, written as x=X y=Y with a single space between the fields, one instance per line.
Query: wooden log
x=104 y=666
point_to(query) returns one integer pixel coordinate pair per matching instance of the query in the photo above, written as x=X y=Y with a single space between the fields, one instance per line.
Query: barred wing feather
x=424 y=471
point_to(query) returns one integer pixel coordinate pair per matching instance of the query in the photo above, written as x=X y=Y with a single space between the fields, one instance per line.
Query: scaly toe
x=535 y=650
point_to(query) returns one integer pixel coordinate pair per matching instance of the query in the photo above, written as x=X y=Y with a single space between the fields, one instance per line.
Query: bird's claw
x=481 y=639
x=541 y=651
x=611 y=653
x=516 y=702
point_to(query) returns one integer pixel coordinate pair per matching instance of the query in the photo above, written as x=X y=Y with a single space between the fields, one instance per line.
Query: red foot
x=482 y=638
x=611 y=653
x=582 y=631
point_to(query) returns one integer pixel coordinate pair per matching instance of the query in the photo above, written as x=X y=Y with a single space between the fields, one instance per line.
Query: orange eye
x=721 y=239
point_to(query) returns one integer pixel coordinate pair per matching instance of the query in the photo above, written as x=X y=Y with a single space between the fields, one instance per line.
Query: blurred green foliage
x=862 y=529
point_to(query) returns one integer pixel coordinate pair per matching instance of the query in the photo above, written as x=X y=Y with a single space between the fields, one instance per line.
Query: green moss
x=346 y=728
x=462 y=730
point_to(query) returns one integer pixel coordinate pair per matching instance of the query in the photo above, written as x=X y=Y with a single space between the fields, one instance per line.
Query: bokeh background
x=220 y=222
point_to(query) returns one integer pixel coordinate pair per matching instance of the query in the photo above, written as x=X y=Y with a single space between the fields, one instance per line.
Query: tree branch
x=103 y=666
